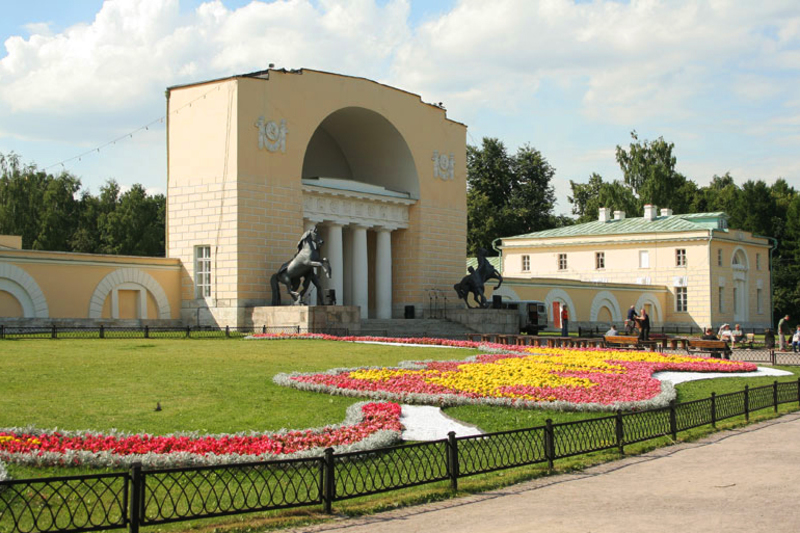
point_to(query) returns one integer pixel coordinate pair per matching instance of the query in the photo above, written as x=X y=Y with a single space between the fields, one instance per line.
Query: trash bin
x=409 y=311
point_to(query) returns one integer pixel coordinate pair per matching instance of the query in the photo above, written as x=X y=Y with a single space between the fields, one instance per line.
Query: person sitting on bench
x=612 y=332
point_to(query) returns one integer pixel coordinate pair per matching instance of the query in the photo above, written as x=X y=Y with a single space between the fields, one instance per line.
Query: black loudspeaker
x=329 y=296
x=497 y=301
x=409 y=311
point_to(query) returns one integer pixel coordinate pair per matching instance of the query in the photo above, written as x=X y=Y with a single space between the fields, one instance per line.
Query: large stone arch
x=24 y=288
x=608 y=300
x=560 y=295
x=122 y=277
x=360 y=145
x=650 y=298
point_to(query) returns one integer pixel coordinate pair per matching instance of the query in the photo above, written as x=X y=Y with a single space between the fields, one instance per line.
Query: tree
x=136 y=225
x=587 y=199
x=507 y=195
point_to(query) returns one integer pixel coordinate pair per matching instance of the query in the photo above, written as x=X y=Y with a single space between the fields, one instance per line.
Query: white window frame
x=526 y=263
x=599 y=260
x=562 y=261
x=680 y=257
x=644 y=258
x=202 y=271
x=681 y=299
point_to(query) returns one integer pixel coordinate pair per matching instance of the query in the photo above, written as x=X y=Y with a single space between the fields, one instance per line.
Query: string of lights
x=130 y=134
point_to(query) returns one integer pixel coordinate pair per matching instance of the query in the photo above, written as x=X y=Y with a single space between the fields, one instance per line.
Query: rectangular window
x=600 y=260
x=526 y=263
x=562 y=261
x=680 y=257
x=759 y=303
x=644 y=259
x=758 y=261
x=202 y=271
x=722 y=299
x=719 y=257
x=681 y=299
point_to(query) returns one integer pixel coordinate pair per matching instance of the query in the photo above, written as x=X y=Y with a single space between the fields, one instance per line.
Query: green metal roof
x=496 y=262
x=664 y=224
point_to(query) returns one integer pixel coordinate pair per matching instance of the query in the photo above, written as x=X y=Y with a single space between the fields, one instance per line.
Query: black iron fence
x=153 y=332
x=599 y=330
x=142 y=497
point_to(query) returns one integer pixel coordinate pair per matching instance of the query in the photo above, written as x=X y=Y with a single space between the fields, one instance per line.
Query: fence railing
x=152 y=332
x=599 y=330
x=142 y=497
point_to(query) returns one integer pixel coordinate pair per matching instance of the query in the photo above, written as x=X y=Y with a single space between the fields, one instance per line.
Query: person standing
x=630 y=322
x=564 y=321
x=644 y=325
x=783 y=331
x=796 y=341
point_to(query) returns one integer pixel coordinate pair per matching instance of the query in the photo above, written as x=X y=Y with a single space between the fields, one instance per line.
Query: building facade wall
x=247 y=201
x=60 y=285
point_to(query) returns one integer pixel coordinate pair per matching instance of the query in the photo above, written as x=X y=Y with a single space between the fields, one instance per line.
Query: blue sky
x=719 y=78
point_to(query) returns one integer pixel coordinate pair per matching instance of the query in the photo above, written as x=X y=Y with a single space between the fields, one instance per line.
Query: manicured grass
x=204 y=385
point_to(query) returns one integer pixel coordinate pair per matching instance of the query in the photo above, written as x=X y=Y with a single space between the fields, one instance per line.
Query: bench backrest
x=621 y=339
x=707 y=344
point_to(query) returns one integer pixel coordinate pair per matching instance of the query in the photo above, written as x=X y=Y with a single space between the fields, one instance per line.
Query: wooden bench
x=715 y=348
x=625 y=340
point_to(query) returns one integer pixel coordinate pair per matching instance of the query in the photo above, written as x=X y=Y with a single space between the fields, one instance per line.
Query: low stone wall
x=311 y=318
x=504 y=321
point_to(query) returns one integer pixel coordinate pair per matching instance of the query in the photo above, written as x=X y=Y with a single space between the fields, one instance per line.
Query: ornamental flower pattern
x=368 y=425
x=562 y=378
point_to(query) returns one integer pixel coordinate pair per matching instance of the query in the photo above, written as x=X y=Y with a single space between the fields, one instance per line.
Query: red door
x=557 y=314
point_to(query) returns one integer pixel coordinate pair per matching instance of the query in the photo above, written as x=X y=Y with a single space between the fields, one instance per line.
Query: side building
x=689 y=269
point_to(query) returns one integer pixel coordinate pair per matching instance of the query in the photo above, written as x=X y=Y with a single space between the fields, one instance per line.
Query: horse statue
x=475 y=281
x=301 y=266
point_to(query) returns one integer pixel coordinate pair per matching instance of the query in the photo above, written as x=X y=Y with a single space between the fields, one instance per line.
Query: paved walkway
x=742 y=480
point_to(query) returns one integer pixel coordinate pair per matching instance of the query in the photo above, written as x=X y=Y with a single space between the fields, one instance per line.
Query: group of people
x=639 y=322
x=725 y=333
x=785 y=333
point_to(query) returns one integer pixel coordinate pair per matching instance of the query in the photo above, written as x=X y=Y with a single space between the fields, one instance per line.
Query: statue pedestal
x=315 y=318
x=503 y=321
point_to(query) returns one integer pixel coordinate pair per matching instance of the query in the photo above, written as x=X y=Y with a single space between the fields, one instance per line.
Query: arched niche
x=355 y=144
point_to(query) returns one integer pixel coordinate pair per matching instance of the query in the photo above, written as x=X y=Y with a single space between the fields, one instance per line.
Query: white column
x=347 y=252
x=311 y=295
x=383 y=273
x=360 y=270
x=335 y=253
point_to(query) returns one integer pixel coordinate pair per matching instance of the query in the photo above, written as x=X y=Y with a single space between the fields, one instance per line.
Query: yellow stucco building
x=253 y=161
x=684 y=269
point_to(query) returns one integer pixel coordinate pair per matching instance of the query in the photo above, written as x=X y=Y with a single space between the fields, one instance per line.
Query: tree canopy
x=51 y=212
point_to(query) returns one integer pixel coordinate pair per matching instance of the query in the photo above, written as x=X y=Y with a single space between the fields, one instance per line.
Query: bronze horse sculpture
x=301 y=266
x=474 y=282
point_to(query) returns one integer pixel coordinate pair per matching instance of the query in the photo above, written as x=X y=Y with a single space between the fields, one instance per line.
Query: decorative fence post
x=53 y=333
x=188 y=331
x=452 y=459
x=102 y=331
x=772 y=357
x=137 y=490
x=264 y=328
x=620 y=433
x=747 y=402
x=329 y=481
x=673 y=420
x=775 y=395
x=714 y=410
x=549 y=443
x=798 y=390
x=147 y=332
x=227 y=331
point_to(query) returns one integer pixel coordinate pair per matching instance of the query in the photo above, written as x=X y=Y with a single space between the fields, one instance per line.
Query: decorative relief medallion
x=271 y=135
x=443 y=165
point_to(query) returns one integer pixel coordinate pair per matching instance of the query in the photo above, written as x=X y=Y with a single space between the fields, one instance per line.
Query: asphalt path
x=745 y=480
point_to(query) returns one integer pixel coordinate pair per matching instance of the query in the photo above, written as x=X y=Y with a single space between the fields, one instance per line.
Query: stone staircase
x=418 y=327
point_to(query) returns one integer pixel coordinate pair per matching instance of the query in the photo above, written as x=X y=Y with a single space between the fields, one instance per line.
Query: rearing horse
x=475 y=281
x=301 y=266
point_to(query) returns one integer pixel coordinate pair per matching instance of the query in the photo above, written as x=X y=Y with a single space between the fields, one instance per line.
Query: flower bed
x=555 y=378
x=367 y=425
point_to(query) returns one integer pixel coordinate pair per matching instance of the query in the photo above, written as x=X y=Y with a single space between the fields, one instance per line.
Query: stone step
x=413 y=328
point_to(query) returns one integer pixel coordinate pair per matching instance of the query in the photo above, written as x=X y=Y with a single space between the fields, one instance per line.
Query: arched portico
x=359 y=180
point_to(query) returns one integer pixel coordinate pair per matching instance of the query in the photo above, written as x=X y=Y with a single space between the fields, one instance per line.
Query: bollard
x=329 y=482
x=452 y=459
